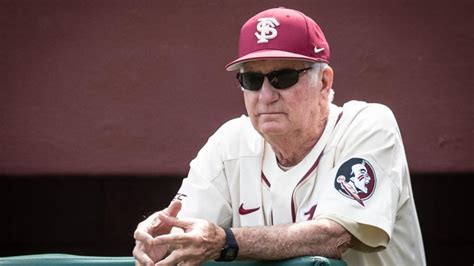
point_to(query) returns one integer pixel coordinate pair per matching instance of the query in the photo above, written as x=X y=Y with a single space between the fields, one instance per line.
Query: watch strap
x=231 y=249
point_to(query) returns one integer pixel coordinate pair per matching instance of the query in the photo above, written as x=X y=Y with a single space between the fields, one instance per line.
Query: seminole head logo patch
x=356 y=180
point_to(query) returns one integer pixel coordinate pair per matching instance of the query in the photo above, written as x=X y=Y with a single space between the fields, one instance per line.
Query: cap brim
x=269 y=54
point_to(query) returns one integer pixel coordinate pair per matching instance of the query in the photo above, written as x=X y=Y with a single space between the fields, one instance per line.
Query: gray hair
x=318 y=68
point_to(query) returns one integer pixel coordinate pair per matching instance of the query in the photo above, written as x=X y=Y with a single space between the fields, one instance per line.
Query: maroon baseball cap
x=280 y=33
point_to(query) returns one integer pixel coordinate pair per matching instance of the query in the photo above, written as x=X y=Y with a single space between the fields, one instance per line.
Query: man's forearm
x=323 y=237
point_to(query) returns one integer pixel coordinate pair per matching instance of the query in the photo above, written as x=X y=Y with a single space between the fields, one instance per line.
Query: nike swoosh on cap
x=243 y=211
x=317 y=50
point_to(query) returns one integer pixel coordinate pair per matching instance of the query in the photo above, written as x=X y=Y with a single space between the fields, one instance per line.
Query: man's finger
x=174 y=208
x=173 y=259
x=157 y=227
x=172 y=239
x=173 y=221
x=141 y=257
x=143 y=236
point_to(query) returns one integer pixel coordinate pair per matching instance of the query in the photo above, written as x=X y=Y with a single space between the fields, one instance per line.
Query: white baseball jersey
x=356 y=174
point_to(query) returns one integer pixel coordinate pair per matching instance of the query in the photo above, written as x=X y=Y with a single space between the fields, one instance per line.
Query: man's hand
x=200 y=241
x=146 y=252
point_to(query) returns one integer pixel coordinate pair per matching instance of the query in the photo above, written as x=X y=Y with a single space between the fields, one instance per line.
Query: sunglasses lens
x=283 y=79
x=279 y=79
x=251 y=81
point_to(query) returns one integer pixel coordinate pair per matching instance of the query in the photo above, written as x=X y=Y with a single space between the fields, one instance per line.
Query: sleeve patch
x=356 y=180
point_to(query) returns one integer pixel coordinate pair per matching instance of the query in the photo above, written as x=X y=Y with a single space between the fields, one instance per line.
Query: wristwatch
x=230 y=250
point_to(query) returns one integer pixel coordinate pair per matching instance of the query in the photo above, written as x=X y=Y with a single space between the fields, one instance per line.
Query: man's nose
x=268 y=93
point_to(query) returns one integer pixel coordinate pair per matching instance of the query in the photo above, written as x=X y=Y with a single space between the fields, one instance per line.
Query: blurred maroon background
x=127 y=87
x=100 y=91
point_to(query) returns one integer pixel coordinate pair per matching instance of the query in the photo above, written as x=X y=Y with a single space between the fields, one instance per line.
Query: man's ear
x=326 y=80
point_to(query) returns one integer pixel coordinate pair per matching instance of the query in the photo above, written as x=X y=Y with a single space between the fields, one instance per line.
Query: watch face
x=231 y=253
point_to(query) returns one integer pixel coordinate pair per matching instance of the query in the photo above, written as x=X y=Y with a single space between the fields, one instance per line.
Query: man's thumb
x=174 y=208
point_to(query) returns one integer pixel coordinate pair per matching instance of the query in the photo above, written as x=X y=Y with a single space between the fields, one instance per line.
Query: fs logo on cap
x=356 y=180
x=266 y=29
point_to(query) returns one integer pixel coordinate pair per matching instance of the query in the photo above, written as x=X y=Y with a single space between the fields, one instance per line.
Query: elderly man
x=280 y=183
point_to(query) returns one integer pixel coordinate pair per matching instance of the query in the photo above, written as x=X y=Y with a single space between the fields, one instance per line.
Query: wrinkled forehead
x=274 y=64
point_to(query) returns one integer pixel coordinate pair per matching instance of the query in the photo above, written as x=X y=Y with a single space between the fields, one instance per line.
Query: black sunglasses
x=279 y=79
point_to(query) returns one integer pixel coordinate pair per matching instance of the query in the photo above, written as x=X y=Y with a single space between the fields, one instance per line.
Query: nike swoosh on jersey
x=243 y=211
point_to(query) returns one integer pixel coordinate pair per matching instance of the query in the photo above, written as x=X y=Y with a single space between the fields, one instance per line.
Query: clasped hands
x=185 y=241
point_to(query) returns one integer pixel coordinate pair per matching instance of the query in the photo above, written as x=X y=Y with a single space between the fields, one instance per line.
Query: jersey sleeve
x=370 y=238
x=204 y=192
x=364 y=189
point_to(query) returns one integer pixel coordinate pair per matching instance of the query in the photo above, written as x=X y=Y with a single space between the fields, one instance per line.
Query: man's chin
x=272 y=129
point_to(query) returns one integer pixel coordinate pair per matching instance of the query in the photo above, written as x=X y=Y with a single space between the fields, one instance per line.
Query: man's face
x=293 y=110
x=361 y=178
